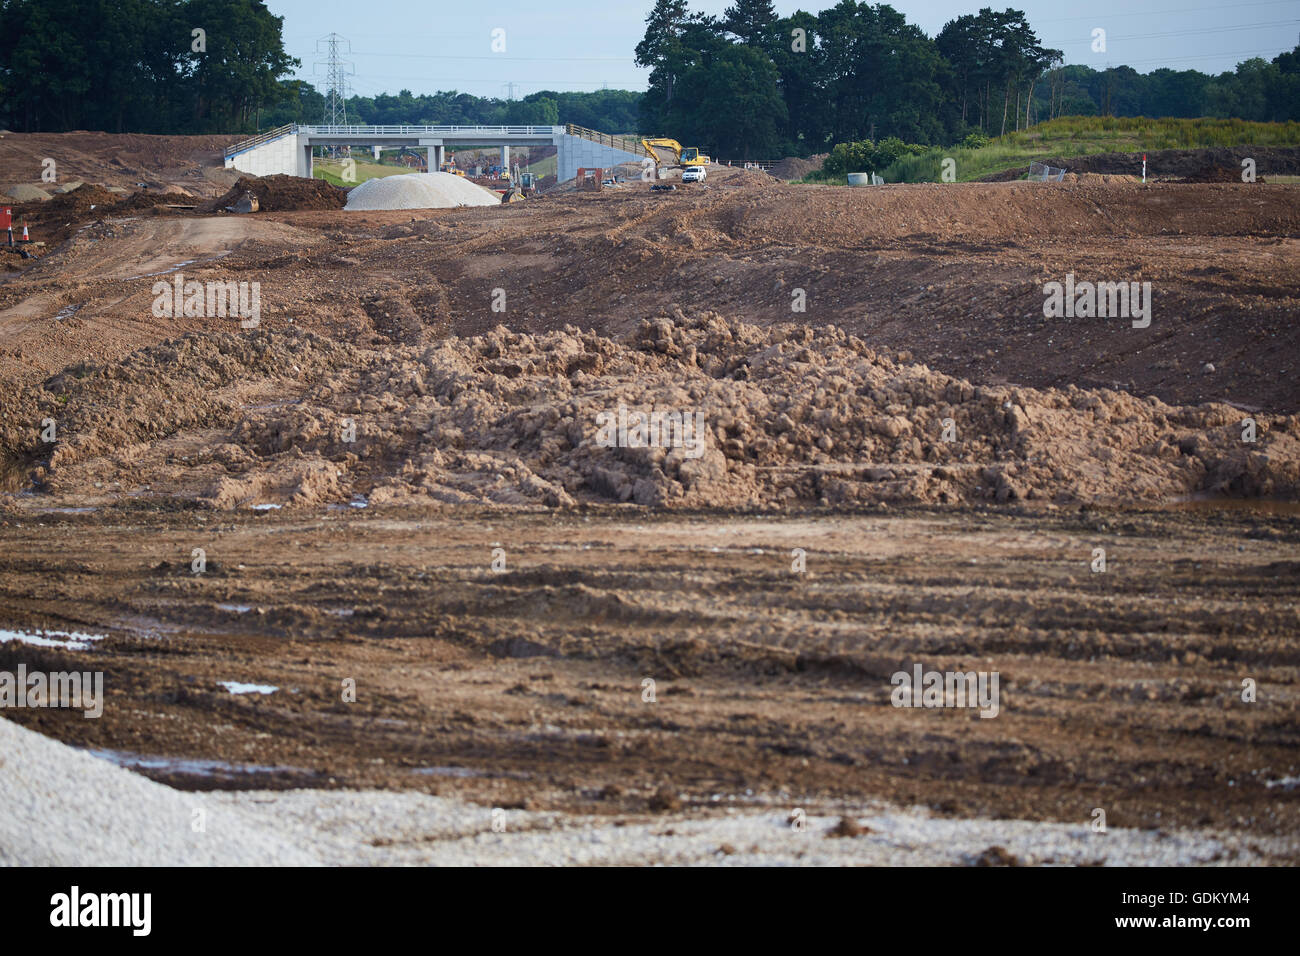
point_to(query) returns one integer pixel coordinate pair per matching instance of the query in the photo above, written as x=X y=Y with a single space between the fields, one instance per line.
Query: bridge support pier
x=505 y=159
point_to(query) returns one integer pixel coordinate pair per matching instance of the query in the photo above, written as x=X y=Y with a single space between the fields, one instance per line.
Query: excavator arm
x=666 y=152
x=670 y=153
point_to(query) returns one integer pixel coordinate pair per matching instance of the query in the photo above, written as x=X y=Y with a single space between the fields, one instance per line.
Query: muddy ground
x=524 y=687
x=353 y=467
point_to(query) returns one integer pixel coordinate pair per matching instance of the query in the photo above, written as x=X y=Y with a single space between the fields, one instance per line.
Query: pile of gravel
x=25 y=193
x=420 y=191
x=63 y=807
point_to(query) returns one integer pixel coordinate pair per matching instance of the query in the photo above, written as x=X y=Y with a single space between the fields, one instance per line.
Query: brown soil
x=281 y=193
x=795 y=167
x=1120 y=690
x=1183 y=165
x=475 y=441
x=112 y=159
x=787 y=417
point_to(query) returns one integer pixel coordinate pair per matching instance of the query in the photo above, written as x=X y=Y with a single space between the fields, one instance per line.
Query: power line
x=502 y=59
x=1153 y=13
x=336 y=109
x=1199 y=31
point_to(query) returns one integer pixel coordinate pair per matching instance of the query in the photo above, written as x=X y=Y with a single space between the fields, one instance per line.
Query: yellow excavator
x=670 y=154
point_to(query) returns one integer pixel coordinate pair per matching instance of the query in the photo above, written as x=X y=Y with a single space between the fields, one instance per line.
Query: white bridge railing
x=362 y=132
x=431 y=130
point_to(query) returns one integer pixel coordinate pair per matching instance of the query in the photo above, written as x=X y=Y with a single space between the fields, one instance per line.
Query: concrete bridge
x=288 y=150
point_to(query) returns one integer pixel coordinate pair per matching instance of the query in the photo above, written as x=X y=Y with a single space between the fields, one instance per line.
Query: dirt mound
x=745 y=417
x=1105 y=179
x=1213 y=172
x=794 y=167
x=80 y=200
x=1173 y=163
x=281 y=193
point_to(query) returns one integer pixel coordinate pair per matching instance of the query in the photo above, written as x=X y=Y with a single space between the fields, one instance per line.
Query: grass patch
x=331 y=170
x=1081 y=136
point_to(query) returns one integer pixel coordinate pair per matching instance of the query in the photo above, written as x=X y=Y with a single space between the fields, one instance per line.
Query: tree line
x=147 y=66
x=751 y=84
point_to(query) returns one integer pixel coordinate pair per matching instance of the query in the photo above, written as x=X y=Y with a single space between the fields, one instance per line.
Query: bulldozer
x=670 y=154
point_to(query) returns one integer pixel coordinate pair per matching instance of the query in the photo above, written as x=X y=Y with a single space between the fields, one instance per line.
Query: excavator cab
x=690 y=154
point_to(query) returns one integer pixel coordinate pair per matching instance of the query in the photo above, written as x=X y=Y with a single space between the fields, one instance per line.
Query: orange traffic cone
x=25 y=237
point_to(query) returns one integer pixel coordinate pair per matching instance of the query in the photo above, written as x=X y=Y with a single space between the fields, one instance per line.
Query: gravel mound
x=25 y=193
x=63 y=807
x=420 y=191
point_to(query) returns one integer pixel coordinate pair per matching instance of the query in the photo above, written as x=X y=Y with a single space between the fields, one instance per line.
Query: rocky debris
x=735 y=416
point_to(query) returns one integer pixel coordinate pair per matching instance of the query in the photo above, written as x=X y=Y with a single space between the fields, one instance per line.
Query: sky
x=585 y=45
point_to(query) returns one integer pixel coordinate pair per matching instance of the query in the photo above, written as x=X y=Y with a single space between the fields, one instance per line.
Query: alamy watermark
x=1103 y=300
x=923 y=688
x=208 y=300
x=637 y=429
x=130 y=910
x=74 y=689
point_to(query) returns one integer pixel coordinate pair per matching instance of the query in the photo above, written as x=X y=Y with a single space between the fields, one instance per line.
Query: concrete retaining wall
x=575 y=152
x=283 y=155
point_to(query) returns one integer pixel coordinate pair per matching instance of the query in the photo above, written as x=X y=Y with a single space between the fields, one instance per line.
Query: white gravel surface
x=420 y=191
x=60 y=806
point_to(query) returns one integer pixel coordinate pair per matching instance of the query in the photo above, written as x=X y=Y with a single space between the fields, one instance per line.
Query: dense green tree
x=132 y=64
x=754 y=23
x=799 y=60
x=881 y=74
x=663 y=50
x=746 y=80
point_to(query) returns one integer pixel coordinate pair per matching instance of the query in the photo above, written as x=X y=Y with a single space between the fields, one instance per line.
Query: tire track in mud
x=1119 y=690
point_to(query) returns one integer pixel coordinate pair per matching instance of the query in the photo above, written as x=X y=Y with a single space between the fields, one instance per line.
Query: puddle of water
x=449 y=772
x=165 y=272
x=68 y=311
x=188 y=765
x=65 y=511
x=267 y=507
x=237 y=608
x=235 y=687
x=341 y=611
x=465 y=773
x=74 y=640
x=359 y=501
